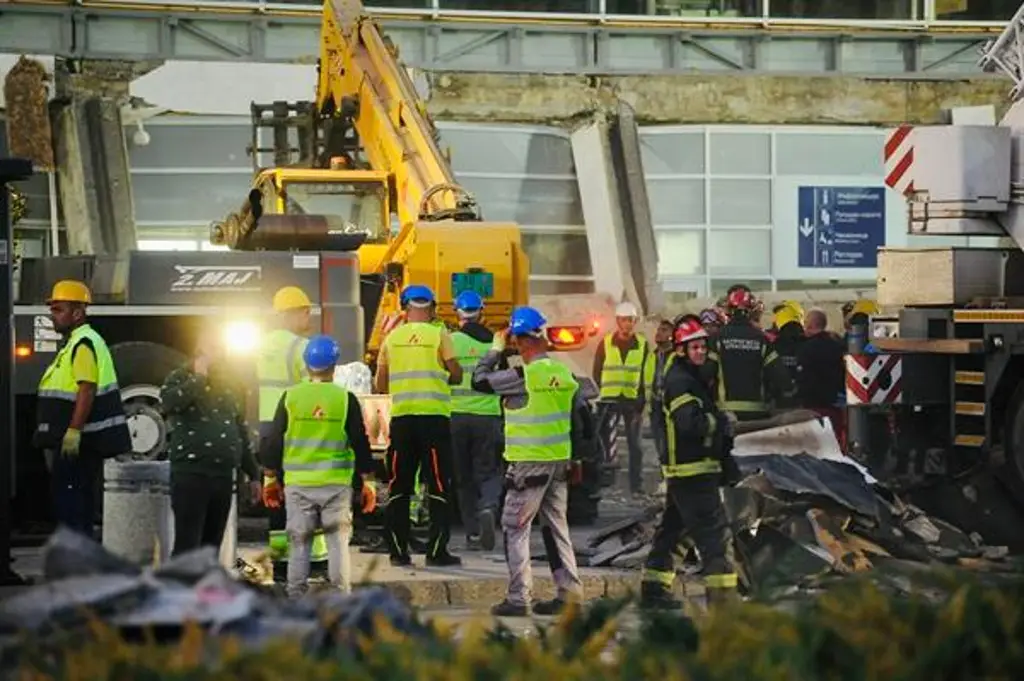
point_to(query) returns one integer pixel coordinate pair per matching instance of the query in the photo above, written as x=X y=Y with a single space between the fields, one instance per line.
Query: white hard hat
x=626 y=309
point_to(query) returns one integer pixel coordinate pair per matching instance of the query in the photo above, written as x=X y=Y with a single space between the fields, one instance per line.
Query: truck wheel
x=141 y=370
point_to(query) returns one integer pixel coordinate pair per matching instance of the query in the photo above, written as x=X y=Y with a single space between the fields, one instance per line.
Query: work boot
x=443 y=559
x=656 y=596
x=508 y=609
x=552 y=607
x=487 y=529
x=401 y=560
x=473 y=543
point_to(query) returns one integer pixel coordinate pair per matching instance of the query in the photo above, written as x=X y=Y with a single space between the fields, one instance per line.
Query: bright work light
x=241 y=337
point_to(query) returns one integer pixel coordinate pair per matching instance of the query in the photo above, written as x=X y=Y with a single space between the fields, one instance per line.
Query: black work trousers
x=201 y=505
x=477 y=448
x=419 y=442
x=694 y=510
x=73 y=483
x=631 y=412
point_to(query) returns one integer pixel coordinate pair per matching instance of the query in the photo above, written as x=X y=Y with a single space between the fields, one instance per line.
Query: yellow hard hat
x=291 y=298
x=790 y=311
x=865 y=307
x=70 y=291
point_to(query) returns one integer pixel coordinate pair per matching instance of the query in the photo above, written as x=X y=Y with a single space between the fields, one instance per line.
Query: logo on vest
x=554 y=382
x=318 y=413
x=414 y=339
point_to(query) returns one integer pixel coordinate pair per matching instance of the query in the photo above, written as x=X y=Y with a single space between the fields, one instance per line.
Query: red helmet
x=689 y=330
x=740 y=298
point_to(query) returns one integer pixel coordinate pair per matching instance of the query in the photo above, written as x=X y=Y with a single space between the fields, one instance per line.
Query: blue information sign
x=840 y=226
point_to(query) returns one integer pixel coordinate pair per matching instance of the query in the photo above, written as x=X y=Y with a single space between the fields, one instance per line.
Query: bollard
x=229 y=545
x=138 y=523
x=857 y=416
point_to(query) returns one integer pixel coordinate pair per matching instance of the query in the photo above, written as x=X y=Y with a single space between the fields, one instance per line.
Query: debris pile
x=799 y=520
x=28 y=118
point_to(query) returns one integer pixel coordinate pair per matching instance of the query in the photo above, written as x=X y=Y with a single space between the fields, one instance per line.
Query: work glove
x=500 y=338
x=369 y=497
x=575 y=472
x=71 y=443
x=273 y=493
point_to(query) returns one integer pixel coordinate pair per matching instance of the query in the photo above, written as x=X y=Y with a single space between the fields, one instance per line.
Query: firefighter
x=624 y=371
x=662 y=357
x=279 y=367
x=476 y=429
x=697 y=457
x=858 y=312
x=417 y=366
x=81 y=420
x=789 y=323
x=747 y=366
x=544 y=428
x=318 y=438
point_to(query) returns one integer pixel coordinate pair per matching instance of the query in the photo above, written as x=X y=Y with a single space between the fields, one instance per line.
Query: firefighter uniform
x=749 y=371
x=698 y=443
x=420 y=436
x=279 y=367
x=476 y=441
x=75 y=456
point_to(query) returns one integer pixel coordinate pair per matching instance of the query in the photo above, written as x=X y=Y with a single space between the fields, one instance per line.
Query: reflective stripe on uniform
x=541 y=430
x=725 y=581
x=275 y=369
x=664 y=577
x=416 y=381
x=689 y=470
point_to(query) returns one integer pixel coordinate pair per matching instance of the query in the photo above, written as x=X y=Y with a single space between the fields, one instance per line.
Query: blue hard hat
x=417 y=292
x=526 y=321
x=321 y=353
x=469 y=301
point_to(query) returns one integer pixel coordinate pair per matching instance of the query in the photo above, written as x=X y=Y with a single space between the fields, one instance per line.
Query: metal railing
x=920 y=15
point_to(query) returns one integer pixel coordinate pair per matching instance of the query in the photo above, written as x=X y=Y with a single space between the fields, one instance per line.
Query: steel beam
x=503 y=45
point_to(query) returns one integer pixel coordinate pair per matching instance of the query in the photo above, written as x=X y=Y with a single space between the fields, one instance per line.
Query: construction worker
x=663 y=352
x=821 y=373
x=699 y=444
x=81 y=419
x=318 y=438
x=624 y=371
x=747 y=366
x=278 y=368
x=476 y=429
x=544 y=421
x=417 y=366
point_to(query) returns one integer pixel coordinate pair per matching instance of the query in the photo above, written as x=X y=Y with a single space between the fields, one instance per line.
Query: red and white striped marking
x=874 y=379
x=899 y=157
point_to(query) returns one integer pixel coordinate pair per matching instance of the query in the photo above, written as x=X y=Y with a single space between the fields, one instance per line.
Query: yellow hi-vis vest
x=541 y=430
x=416 y=381
x=317 y=451
x=465 y=400
x=278 y=368
x=620 y=377
x=106 y=430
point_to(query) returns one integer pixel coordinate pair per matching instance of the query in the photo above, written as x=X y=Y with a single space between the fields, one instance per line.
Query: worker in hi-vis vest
x=476 y=429
x=624 y=370
x=81 y=420
x=318 y=438
x=416 y=366
x=279 y=367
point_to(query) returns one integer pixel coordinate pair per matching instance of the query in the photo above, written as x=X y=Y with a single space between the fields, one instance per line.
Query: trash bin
x=138 y=524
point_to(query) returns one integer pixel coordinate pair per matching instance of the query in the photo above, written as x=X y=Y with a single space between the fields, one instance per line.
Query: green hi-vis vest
x=541 y=430
x=317 y=452
x=416 y=381
x=465 y=400
x=620 y=377
x=279 y=367
x=106 y=430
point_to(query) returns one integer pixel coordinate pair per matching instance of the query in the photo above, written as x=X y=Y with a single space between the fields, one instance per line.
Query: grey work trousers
x=538 y=489
x=476 y=444
x=308 y=508
x=632 y=414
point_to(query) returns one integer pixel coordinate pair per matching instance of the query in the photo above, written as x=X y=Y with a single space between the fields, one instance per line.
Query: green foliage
x=854 y=633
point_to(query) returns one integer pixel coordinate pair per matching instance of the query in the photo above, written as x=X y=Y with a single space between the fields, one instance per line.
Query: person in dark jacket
x=697 y=457
x=821 y=372
x=663 y=351
x=208 y=442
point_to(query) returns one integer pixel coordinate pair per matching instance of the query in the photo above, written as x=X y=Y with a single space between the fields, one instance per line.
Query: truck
x=361 y=202
x=937 y=404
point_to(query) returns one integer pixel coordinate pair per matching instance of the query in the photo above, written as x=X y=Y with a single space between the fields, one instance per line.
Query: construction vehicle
x=941 y=406
x=361 y=169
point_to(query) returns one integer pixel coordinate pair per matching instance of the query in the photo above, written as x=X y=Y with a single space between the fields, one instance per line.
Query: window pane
x=564 y=6
x=975 y=10
x=526 y=201
x=829 y=154
x=672 y=153
x=680 y=252
x=847 y=9
x=741 y=202
x=740 y=153
x=487 y=149
x=188 y=198
x=36 y=191
x=190 y=146
x=676 y=202
x=562 y=254
x=741 y=252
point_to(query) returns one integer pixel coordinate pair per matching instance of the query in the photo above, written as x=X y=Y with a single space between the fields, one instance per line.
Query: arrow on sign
x=807 y=228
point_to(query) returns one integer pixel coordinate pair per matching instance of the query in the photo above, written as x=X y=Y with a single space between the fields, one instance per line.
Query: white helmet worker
x=626 y=310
